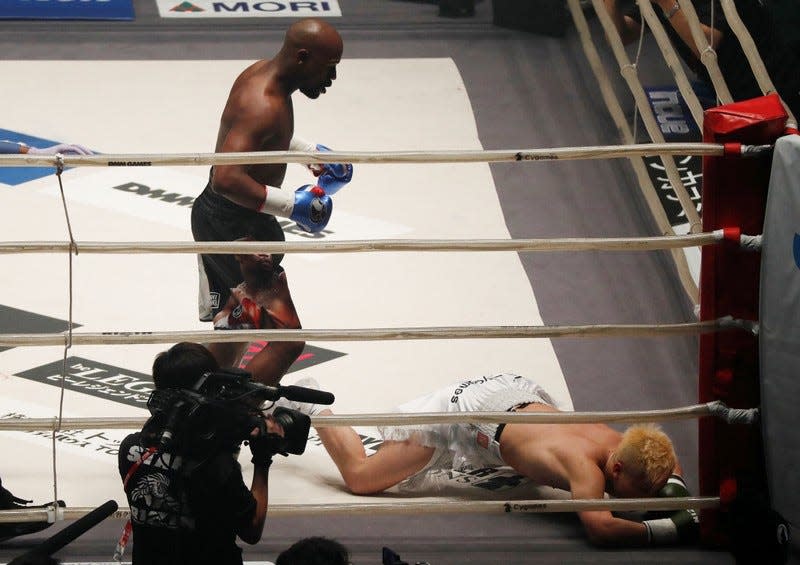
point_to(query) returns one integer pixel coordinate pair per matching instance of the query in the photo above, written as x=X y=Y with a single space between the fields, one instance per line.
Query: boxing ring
x=517 y=326
x=75 y=338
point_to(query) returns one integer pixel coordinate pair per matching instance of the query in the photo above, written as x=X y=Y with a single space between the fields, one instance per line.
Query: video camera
x=221 y=409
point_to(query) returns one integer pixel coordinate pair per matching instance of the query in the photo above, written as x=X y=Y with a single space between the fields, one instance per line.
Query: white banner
x=248 y=8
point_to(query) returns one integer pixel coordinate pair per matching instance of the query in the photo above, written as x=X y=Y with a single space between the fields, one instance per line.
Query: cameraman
x=189 y=505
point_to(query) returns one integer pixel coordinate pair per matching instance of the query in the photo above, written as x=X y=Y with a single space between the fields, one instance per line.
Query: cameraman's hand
x=266 y=442
x=273 y=427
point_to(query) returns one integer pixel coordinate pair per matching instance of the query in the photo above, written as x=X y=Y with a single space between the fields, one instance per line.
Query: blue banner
x=66 y=10
x=677 y=126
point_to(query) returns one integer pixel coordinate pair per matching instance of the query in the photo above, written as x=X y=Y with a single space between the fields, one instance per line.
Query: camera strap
x=127 y=529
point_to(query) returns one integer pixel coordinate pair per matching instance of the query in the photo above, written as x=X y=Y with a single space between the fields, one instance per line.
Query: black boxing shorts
x=215 y=218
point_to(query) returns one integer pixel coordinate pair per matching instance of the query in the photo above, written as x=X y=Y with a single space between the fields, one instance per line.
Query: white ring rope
x=70 y=338
x=244 y=247
x=715 y=408
x=398 y=507
x=373 y=334
x=447 y=156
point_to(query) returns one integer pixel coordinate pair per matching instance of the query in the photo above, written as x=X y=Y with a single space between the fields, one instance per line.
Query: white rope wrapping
x=447 y=156
x=244 y=247
x=751 y=242
x=369 y=334
x=403 y=507
x=404 y=419
x=746 y=416
x=749 y=326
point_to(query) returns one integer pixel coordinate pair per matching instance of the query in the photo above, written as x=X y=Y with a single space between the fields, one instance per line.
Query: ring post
x=734 y=194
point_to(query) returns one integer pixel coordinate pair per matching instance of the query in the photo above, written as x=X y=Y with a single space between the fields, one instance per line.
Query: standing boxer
x=258 y=116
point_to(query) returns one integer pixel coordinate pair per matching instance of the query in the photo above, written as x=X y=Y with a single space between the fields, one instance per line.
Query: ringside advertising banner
x=677 y=126
x=248 y=8
x=66 y=10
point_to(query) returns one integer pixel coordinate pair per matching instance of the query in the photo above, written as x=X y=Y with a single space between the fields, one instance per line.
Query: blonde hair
x=647 y=454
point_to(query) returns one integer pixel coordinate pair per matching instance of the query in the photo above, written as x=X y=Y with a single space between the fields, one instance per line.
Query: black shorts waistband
x=502 y=426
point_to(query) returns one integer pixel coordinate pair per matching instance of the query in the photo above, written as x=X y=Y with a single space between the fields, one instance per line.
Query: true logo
x=669 y=112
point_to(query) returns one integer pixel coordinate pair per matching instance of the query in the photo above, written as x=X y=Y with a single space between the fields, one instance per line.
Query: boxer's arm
x=601 y=526
x=680 y=23
x=252 y=130
x=309 y=206
x=604 y=529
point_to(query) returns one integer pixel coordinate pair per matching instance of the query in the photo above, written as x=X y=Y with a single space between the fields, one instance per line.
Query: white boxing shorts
x=465 y=445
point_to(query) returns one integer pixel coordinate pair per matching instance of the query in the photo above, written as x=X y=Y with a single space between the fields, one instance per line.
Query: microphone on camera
x=303 y=394
x=291 y=392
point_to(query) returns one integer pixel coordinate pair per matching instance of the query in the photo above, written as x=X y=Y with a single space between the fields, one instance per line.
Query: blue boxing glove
x=332 y=176
x=312 y=208
x=309 y=206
